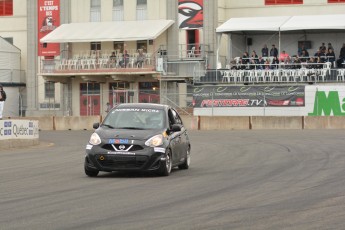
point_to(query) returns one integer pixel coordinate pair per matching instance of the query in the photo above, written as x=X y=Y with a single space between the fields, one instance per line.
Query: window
x=336 y=1
x=95 y=11
x=142 y=45
x=6 y=7
x=117 y=10
x=49 y=89
x=90 y=88
x=118 y=47
x=283 y=2
x=141 y=9
x=95 y=46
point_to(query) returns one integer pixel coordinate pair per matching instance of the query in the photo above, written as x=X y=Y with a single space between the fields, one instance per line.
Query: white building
x=78 y=80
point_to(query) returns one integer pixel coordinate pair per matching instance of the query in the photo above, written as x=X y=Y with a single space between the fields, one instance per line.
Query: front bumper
x=146 y=159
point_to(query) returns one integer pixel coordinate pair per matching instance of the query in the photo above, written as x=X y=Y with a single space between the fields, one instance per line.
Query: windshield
x=135 y=118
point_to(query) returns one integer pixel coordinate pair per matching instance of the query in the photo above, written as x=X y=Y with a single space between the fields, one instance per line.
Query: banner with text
x=248 y=96
x=18 y=129
x=48 y=20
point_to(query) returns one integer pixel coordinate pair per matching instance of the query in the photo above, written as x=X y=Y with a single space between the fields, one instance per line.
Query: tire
x=186 y=163
x=166 y=166
x=90 y=172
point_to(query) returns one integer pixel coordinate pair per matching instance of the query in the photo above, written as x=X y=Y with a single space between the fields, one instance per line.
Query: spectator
x=329 y=46
x=254 y=57
x=341 y=56
x=311 y=63
x=283 y=55
x=319 y=63
x=261 y=63
x=264 y=51
x=125 y=60
x=108 y=107
x=274 y=51
x=288 y=63
x=322 y=47
x=112 y=60
x=267 y=64
x=330 y=56
x=141 y=58
x=297 y=62
x=275 y=63
x=2 y=100
x=305 y=56
x=301 y=47
x=319 y=53
x=245 y=58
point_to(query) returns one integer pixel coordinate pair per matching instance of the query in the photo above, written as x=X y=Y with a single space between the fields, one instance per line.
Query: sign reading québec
x=18 y=129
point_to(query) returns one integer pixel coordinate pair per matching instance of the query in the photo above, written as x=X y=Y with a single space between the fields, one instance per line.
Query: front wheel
x=165 y=168
x=90 y=172
x=186 y=163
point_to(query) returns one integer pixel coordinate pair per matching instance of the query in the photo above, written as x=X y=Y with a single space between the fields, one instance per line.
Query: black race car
x=138 y=137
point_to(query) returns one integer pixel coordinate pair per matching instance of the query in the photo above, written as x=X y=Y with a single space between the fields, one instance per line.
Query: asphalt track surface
x=237 y=180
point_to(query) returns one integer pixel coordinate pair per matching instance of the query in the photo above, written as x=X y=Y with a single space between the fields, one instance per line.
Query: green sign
x=324 y=105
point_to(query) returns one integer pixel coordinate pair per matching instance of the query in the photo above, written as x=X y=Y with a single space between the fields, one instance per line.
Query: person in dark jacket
x=2 y=100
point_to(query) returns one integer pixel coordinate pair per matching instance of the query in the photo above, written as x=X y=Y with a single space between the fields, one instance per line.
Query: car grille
x=134 y=147
x=122 y=161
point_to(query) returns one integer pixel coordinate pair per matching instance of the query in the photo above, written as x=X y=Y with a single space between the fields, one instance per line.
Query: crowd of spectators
x=271 y=59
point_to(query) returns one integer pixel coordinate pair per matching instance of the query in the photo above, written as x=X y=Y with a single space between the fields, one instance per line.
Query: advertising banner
x=48 y=20
x=248 y=96
x=327 y=101
x=18 y=129
x=190 y=14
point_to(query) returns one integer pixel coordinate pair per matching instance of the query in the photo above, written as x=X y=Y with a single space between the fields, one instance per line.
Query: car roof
x=142 y=105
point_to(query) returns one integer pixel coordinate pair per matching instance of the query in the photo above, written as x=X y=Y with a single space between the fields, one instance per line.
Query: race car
x=138 y=137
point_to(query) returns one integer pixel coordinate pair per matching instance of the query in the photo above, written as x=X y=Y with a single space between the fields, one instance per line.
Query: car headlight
x=155 y=141
x=95 y=139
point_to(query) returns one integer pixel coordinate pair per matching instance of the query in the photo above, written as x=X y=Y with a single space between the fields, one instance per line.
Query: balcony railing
x=134 y=63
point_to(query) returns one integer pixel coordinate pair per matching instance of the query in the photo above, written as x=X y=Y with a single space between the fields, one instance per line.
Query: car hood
x=107 y=133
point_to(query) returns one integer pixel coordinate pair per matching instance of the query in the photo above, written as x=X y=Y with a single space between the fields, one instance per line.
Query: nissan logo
x=122 y=147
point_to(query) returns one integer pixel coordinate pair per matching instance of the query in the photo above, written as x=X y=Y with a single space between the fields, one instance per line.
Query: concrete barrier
x=322 y=122
x=18 y=133
x=273 y=122
x=223 y=123
x=76 y=122
x=21 y=143
x=45 y=122
x=190 y=122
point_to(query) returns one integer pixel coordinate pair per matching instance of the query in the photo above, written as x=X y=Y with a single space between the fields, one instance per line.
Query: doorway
x=90 y=99
x=193 y=41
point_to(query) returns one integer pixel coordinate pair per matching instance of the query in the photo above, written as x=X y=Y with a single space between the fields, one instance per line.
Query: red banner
x=48 y=20
x=190 y=14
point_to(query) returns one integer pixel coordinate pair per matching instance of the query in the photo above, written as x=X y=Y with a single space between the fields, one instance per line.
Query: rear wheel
x=186 y=162
x=165 y=168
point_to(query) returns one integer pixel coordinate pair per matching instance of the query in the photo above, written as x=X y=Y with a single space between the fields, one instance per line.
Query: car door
x=183 y=138
x=175 y=138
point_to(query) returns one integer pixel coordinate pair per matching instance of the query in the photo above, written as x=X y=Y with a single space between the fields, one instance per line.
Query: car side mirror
x=95 y=125
x=175 y=128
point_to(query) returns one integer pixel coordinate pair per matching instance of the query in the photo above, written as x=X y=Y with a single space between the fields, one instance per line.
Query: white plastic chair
x=227 y=76
x=191 y=53
x=322 y=76
x=341 y=74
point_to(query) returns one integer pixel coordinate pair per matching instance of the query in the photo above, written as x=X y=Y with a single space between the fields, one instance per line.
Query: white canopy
x=108 y=31
x=284 y=23
x=252 y=24
x=315 y=22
